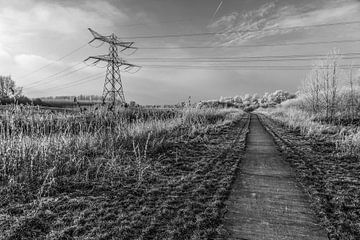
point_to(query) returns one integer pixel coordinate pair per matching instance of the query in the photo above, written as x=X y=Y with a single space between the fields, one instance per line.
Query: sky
x=43 y=45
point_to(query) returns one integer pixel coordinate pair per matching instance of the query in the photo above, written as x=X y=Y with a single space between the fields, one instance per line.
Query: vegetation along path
x=266 y=202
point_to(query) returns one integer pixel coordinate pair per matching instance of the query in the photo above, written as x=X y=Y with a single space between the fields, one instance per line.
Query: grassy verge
x=345 y=137
x=326 y=165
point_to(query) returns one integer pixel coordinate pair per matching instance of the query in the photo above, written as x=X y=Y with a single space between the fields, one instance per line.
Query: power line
x=50 y=79
x=242 y=67
x=254 y=45
x=238 y=60
x=55 y=74
x=239 y=31
x=216 y=59
x=77 y=82
x=248 y=58
x=155 y=23
x=245 y=59
x=271 y=58
x=206 y=47
x=49 y=64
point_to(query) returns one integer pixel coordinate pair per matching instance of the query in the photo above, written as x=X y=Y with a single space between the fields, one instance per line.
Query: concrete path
x=266 y=202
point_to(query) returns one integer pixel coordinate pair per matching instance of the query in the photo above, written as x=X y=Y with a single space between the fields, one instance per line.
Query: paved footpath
x=266 y=202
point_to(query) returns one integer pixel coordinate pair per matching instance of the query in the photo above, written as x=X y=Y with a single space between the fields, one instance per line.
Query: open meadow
x=136 y=173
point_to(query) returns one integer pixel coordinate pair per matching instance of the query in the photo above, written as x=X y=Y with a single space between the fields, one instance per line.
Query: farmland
x=132 y=173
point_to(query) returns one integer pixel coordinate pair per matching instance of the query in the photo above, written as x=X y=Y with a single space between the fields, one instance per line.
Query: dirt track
x=266 y=202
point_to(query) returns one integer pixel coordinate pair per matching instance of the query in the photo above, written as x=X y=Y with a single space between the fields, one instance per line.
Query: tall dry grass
x=291 y=114
x=40 y=148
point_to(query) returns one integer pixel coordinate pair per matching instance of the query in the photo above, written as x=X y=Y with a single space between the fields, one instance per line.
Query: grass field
x=136 y=173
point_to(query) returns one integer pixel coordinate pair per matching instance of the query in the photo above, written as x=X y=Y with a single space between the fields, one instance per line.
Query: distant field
x=49 y=103
x=69 y=103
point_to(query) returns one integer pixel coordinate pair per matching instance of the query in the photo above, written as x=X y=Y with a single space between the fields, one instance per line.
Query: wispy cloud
x=270 y=18
x=29 y=62
x=329 y=12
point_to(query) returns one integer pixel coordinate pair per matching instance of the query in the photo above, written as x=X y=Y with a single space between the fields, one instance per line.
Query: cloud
x=329 y=13
x=4 y=54
x=55 y=18
x=6 y=61
x=226 y=21
x=30 y=61
x=241 y=27
x=37 y=32
x=268 y=19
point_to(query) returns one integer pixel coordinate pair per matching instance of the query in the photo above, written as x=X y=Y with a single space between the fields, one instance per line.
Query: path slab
x=266 y=202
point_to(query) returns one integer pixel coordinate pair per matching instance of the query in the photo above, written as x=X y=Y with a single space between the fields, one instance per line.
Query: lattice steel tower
x=113 y=89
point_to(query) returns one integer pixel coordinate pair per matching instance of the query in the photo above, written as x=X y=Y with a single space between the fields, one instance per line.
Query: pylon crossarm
x=126 y=45
x=111 y=40
x=96 y=35
x=129 y=65
x=128 y=69
x=105 y=58
x=94 y=39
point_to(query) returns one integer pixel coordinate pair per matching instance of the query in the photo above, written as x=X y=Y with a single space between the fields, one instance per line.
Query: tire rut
x=199 y=190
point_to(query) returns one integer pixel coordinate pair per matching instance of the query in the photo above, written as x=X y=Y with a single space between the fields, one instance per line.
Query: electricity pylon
x=113 y=89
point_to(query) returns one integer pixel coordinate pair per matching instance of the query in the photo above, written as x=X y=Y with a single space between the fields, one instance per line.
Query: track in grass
x=266 y=202
x=180 y=196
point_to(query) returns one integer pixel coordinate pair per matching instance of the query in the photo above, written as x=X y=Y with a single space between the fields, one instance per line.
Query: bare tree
x=351 y=102
x=330 y=84
x=333 y=92
x=311 y=90
x=320 y=87
x=8 y=87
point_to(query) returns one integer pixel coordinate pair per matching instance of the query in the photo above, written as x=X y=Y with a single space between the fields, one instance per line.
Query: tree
x=352 y=97
x=255 y=97
x=246 y=98
x=8 y=88
x=330 y=83
x=320 y=88
x=310 y=90
x=237 y=99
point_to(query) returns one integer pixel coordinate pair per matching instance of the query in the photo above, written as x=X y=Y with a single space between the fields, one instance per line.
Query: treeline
x=12 y=94
x=71 y=98
x=249 y=102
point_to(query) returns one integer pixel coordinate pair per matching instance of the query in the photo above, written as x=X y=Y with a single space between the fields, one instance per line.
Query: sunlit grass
x=347 y=138
x=39 y=147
